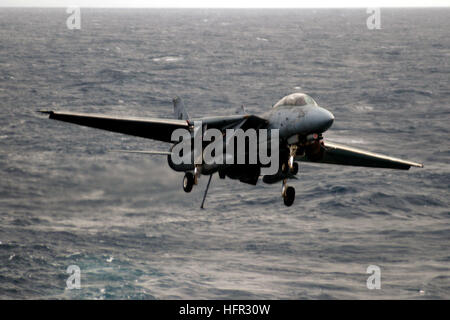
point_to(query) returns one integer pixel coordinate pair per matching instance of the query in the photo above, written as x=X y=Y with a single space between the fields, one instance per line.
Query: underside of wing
x=333 y=153
x=151 y=128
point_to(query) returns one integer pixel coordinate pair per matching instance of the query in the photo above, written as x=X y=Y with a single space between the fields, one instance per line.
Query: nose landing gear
x=294 y=169
x=288 y=194
x=289 y=167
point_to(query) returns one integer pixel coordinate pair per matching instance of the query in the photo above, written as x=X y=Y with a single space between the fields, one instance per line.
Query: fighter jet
x=301 y=123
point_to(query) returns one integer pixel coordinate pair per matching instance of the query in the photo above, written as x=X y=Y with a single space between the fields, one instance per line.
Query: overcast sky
x=227 y=3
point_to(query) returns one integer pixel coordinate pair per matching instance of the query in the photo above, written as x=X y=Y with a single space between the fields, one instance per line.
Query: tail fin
x=240 y=110
x=179 y=109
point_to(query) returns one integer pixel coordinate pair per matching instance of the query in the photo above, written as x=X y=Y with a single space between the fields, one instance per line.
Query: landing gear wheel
x=289 y=196
x=188 y=182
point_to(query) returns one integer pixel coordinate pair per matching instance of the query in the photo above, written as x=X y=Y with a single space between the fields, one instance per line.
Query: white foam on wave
x=93 y=195
x=362 y=108
x=167 y=59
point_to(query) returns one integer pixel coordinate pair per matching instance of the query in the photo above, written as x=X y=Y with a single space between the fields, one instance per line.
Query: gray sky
x=226 y=3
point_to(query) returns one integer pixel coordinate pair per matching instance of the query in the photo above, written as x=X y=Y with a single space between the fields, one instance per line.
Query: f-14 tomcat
x=299 y=119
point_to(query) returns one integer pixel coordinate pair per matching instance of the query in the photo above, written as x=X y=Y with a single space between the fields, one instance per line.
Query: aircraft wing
x=153 y=128
x=343 y=155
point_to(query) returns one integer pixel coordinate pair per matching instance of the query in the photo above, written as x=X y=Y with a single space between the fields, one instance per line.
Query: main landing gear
x=188 y=182
x=291 y=167
x=192 y=178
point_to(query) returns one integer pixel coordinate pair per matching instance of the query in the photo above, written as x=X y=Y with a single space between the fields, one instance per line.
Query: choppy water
x=124 y=219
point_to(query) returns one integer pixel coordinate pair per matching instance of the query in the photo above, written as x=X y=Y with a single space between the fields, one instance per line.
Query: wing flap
x=333 y=153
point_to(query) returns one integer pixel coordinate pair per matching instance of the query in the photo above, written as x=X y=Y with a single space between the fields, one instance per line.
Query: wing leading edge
x=333 y=153
x=151 y=128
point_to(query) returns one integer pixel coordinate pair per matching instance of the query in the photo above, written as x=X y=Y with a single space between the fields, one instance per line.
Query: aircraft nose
x=321 y=119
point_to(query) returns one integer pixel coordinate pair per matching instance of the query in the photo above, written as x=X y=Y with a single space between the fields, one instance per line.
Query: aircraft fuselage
x=299 y=119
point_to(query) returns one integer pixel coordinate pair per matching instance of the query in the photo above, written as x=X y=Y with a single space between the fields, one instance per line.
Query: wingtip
x=417 y=165
x=45 y=111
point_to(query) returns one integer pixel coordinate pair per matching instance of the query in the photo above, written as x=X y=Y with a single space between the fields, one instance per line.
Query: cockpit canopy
x=296 y=99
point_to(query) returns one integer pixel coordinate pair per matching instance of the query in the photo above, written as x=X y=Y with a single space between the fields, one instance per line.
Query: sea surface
x=124 y=218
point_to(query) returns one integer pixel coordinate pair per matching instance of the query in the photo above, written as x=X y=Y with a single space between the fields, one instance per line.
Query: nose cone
x=320 y=119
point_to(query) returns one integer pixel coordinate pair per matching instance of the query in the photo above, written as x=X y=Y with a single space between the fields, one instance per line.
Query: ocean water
x=125 y=220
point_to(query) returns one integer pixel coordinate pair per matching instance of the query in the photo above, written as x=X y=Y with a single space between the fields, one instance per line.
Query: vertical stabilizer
x=240 y=110
x=179 y=109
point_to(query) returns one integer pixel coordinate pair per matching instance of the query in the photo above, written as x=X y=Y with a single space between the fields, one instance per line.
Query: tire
x=188 y=182
x=289 y=196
